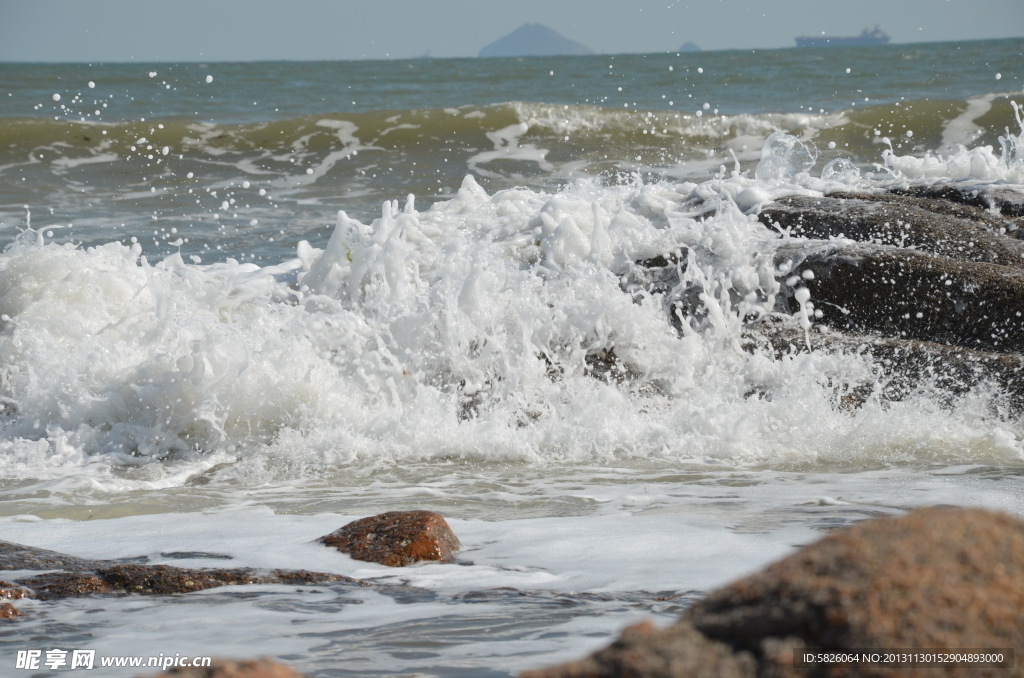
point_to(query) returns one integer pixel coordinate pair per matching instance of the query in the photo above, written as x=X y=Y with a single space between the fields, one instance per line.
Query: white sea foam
x=463 y=331
x=979 y=163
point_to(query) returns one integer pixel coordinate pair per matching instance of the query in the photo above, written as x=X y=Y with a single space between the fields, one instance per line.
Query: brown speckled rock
x=8 y=611
x=165 y=580
x=54 y=585
x=643 y=651
x=225 y=668
x=11 y=591
x=936 y=578
x=396 y=538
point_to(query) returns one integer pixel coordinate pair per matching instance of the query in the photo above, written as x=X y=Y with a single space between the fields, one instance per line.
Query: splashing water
x=783 y=156
x=979 y=163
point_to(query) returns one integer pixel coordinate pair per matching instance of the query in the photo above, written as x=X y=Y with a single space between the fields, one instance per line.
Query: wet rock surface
x=76 y=577
x=8 y=611
x=1004 y=200
x=956 y=231
x=904 y=293
x=396 y=538
x=20 y=557
x=226 y=668
x=9 y=591
x=936 y=578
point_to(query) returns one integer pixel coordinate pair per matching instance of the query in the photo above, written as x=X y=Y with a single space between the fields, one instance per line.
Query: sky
x=257 y=30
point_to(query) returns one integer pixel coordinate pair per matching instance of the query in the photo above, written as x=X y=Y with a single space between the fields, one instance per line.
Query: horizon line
x=132 y=60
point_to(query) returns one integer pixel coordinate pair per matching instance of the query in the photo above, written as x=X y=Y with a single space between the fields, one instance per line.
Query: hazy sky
x=215 y=30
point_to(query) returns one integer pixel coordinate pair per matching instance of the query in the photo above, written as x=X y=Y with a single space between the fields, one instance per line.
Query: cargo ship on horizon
x=875 y=36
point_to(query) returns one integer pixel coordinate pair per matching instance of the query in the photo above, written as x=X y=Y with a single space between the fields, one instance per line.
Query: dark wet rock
x=165 y=580
x=396 y=538
x=904 y=365
x=908 y=294
x=243 y=668
x=76 y=577
x=936 y=578
x=21 y=557
x=8 y=611
x=54 y=585
x=206 y=477
x=956 y=231
x=643 y=651
x=1003 y=199
x=608 y=367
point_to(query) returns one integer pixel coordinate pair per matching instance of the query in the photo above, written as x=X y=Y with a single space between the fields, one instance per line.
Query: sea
x=242 y=304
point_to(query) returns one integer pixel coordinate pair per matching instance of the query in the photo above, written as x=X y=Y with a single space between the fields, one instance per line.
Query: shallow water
x=200 y=353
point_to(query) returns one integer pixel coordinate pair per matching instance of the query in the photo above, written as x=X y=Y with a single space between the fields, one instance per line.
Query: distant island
x=875 y=36
x=689 y=47
x=534 y=40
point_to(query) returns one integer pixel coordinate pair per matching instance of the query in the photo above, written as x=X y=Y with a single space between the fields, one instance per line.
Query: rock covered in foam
x=396 y=538
x=243 y=668
x=940 y=577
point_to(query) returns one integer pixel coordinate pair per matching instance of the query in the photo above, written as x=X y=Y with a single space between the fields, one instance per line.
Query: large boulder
x=643 y=651
x=909 y=294
x=396 y=538
x=937 y=578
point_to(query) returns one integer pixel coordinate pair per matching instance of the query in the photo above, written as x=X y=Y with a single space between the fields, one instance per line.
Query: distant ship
x=875 y=36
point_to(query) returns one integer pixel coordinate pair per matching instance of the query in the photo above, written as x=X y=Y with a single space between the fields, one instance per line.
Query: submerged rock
x=55 y=585
x=396 y=538
x=937 y=578
x=11 y=591
x=243 y=668
x=76 y=577
x=165 y=580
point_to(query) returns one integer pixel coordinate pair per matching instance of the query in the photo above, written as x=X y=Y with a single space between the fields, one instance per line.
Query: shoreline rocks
x=77 y=577
x=396 y=538
x=937 y=578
